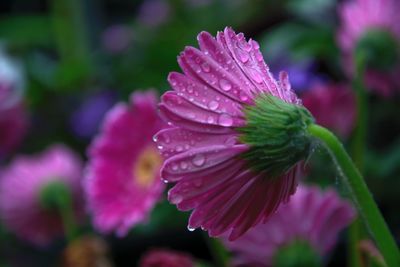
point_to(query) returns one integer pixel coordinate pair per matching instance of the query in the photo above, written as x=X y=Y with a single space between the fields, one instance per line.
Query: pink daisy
x=21 y=185
x=360 y=17
x=123 y=182
x=333 y=106
x=208 y=111
x=166 y=258
x=312 y=216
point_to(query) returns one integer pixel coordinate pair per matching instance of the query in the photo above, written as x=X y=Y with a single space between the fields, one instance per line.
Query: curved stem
x=362 y=197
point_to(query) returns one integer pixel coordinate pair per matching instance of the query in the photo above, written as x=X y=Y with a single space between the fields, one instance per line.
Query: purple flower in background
x=302 y=74
x=14 y=119
x=312 y=216
x=117 y=38
x=21 y=186
x=333 y=106
x=153 y=13
x=372 y=24
x=86 y=119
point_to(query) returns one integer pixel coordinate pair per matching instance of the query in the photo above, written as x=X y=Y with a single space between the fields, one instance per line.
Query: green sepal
x=297 y=254
x=276 y=132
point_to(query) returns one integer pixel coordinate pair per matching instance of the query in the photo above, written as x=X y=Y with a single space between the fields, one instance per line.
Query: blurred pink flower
x=333 y=106
x=202 y=149
x=14 y=123
x=358 y=17
x=312 y=215
x=166 y=258
x=14 y=119
x=122 y=181
x=21 y=185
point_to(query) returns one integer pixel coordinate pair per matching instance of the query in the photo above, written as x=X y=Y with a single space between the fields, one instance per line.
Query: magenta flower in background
x=360 y=18
x=122 y=182
x=21 y=185
x=311 y=216
x=166 y=258
x=204 y=154
x=333 y=106
x=14 y=119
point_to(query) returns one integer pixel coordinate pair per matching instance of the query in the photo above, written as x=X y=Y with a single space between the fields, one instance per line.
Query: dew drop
x=225 y=85
x=199 y=160
x=191 y=229
x=210 y=119
x=175 y=199
x=183 y=165
x=225 y=120
x=164 y=181
x=205 y=67
x=213 y=105
x=174 y=167
x=230 y=141
x=243 y=96
x=256 y=76
x=155 y=138
x=243 y=56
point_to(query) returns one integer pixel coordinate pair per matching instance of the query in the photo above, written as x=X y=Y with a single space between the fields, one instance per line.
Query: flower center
x=147 y=166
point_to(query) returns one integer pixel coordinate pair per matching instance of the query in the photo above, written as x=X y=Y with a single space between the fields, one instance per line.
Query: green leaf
x=26 y=30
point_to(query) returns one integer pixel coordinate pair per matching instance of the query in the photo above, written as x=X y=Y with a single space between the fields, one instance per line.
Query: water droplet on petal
x=191 y=229
x=243 y=56
x=199 y=160
x=184 y=165
x=164 y=181
x=155 y=138
x=225 y=85
x=210 y=119
x=205 y=67
x=175 y=199
x=256 y=76
x=213 y=105
x=243 y=96
x=225 y=120
x=230 y=141
x=174 y=167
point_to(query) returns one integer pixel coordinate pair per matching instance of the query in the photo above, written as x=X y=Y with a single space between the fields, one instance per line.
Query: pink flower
x=358 y=17
x=21 y=185
x=333 y=106
x=204 y=154
x=166 y=258
x=123 y=183
x=14 y=123
x=312 y=215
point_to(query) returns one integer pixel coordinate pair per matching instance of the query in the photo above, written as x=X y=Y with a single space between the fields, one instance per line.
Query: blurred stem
x=366 y=205
x=358 y=147
x=70 y=31
x=217 y=250
x=68 y=219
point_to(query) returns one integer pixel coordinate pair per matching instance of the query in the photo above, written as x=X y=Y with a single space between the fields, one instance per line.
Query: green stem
x=362 y=197
x=358 y=147
x=217 y=250
x=68 y=219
